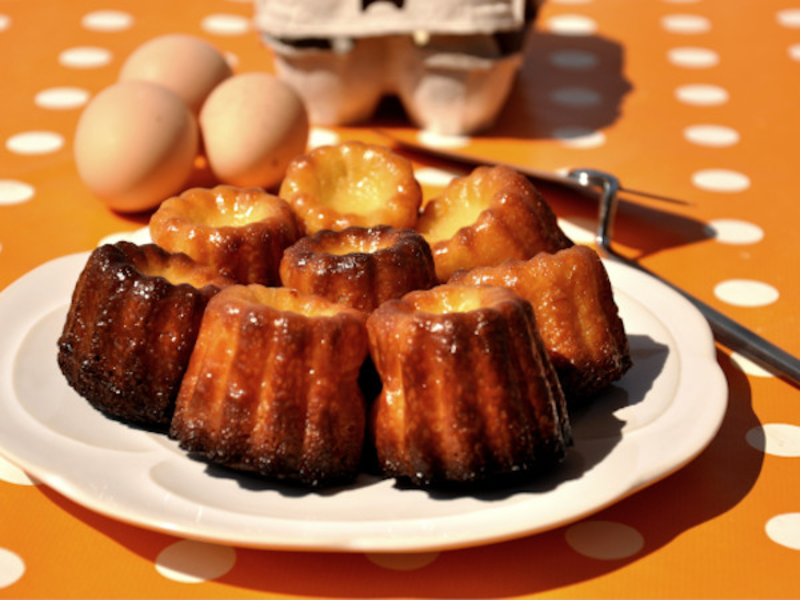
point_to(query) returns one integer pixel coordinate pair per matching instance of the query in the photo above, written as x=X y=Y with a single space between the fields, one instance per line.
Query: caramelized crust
x=272 y=386
x=358 y=267
x=469 y=394
x=489 y=216
x=352 y=184
x=131 y=327
x=575 y=312
x=242 y=232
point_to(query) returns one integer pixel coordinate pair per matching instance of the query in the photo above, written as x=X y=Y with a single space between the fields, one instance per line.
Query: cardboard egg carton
x=451 y=63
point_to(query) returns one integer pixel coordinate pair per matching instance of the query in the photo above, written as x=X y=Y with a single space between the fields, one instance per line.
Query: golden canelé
x=491 y=215
x=242 y=232
x=576 y=314
x=352 y=184
x=272 y=386
x=469 y=394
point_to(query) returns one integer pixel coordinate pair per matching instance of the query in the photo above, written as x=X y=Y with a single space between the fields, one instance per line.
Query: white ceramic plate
x=662 y=414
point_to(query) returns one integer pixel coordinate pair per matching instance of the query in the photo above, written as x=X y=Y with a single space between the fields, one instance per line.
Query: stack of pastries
x=249 y=328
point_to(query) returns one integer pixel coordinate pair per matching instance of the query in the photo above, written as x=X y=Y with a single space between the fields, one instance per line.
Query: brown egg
x=253 y=125
x=135 y=145
x=184 y=64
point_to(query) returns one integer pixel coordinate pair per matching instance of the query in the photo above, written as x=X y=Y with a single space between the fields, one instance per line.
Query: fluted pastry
x=469 y=394
x=131 y=327
x=272 y=386
x=359 y=267
x=577 y=316
x=352 y=183
x=242 y=232
x=489 y=216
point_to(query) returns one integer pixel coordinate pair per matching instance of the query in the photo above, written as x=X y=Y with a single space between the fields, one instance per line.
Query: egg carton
x=451 y=63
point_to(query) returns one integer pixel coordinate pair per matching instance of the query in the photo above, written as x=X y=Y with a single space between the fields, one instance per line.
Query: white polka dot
x=433 y=177
x=107 y=20
x=721 y=180
x=749 y=367
x=35 y=142
x=15 y=192
x=746 y=292
x=702 y=94
x=571 y=25
x=190 y=561
x=794 y=52
x=319 y=136
x=403 y=562
x=85 y=57
x=604 y=540
x=734 y=231
x=220 y=24
x=686 y=24
x=579 y=137
x=438 y=140
x=12 y=568
x=576 y=60
x=776 y=439
x=576 y=97
x=716 y=136
x=789 y=18
x=11 y=473
x=61 y=98
x=785 y=530
x=580 y=230
x=5 y=22
x=693 y=58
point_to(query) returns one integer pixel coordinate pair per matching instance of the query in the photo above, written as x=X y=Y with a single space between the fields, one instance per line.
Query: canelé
x=359 y=267
x=272 y=386
x=131 y=327
x=242 y=232
x=576 y=314
x=469 y=395
x=353 y=183
x=486 y=217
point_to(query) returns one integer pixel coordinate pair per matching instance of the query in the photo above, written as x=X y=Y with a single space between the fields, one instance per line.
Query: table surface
x=694 y=100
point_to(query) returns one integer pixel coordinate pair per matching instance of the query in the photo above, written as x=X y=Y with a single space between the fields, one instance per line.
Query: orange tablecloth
x=695 y=100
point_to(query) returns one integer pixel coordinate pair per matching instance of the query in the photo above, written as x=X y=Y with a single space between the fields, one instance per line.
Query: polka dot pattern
x=785 y=530
x=85 y=57
x=12 y=568
x=693 y=58
x=702 y=95
x=15 y=192
x=35 y=142
x=604 y=540
x=734 y=231
x=189 y=561
x=776 y=439
x=746 y=292
x=581 y=112
x=62 y=98
x=721 y=180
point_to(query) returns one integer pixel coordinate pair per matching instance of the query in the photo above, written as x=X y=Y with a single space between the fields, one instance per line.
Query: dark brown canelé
x=575 y=312
x=359 y=267
x=491 y=215
x=242 y=232
x=272 y=386
x=131 y=327
x=469 y=394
